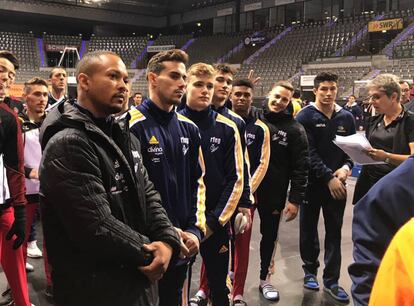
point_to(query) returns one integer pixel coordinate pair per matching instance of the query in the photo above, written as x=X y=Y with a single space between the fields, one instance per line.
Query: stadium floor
x=287 y=278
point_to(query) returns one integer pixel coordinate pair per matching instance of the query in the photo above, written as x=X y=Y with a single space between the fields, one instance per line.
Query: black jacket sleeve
x=299 y=165
x=71 y=181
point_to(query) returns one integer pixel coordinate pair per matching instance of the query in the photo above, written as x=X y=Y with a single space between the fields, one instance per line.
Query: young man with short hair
x=108 y=237
x=10 y=60
x=12 y=193
x=329 y=169
x=58 y=80
x=258 y=148
x=172 y=155
x=222 y=151
x=137 y=99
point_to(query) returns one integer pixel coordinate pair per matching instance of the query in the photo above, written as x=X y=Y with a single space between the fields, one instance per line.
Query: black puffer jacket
x=289 y=161
x=98 y=209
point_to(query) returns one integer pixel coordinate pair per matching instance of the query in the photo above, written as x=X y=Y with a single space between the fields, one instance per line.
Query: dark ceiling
x=147 y=7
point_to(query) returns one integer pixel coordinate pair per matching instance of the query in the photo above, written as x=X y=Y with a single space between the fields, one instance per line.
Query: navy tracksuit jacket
x=170 y=145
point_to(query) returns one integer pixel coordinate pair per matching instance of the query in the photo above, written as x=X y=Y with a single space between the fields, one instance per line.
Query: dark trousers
x=269 y=227
x=215 y=253
x=170 y=287
x=333 y=211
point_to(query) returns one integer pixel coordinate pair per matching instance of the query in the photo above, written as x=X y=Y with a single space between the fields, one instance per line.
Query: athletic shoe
x=197 y=301
x=310 y=282
x=269 y=292
x=239 y=303
x=338 y=293
x=29 y=267
x=33 y=251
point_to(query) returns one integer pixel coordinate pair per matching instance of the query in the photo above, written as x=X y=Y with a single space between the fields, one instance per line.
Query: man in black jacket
x=288 y=163
x=108 y=238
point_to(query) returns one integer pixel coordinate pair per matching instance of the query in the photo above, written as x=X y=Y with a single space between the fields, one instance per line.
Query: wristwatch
x=387 y=159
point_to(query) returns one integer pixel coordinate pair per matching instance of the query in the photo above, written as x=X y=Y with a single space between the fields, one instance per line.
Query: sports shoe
x=6 y=298
x=197 y=301
x=29 y=267
x=269 y=292
x=239 y=303
x=338 y=293
x=33 y=251
x=310 y=282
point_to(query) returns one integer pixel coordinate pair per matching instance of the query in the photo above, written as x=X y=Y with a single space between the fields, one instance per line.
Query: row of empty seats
x=23 y=46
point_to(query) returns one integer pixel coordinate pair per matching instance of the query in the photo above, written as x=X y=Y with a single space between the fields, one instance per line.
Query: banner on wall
x=57 y=48
x=253 y=6
x=282 y=2
x=225 y=12
x=385 y=25
x=307 y=80
x=16 y=90
x=156 y=49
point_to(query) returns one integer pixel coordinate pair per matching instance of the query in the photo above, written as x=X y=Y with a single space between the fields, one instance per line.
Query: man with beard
x=172 y=154
x=108 y=238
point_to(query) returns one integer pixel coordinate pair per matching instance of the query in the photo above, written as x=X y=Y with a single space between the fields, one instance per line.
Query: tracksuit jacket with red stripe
x=12 y=161
x=223 y=157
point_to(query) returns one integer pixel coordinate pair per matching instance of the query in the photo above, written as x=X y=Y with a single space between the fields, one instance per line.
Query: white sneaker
x=29 y=267
x=33 y=251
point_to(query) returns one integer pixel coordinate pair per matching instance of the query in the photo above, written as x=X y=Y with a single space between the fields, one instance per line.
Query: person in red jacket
x=12 y=194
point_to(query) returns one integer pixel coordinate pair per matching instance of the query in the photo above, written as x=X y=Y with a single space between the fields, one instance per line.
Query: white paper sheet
x=356 y=146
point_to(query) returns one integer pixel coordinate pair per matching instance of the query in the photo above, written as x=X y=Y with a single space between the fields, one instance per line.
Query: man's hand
x=183 y=248
x=246 y=212
x=337 y=189
x=19 y=226
x=162 y=253
x=341 y=174
x=253 y=79
x=290 y=211
x=192 y=243
x=34 y=174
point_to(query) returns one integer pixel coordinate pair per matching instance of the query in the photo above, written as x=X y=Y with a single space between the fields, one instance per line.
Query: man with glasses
x=329 y=169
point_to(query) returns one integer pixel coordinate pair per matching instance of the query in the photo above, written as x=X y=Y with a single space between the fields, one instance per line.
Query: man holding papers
x=329 y=168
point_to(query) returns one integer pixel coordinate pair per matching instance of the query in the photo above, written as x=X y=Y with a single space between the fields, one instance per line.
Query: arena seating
x=23 y=45
x=305 y=43
x=129 y=48
x=63 y=40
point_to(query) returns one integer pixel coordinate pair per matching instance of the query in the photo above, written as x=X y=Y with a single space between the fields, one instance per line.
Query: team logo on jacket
x=341 y=129
x=185 y=143
x=281 y=136
x=153 y=141
x=214 y=144
x=320 y=125
x=250 y=138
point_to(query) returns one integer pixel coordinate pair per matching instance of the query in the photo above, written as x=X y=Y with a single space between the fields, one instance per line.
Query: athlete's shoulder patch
x=136 y=116
x=185 y=119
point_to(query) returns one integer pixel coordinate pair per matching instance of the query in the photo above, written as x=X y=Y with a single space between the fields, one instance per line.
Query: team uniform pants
x=318 y=196
x=269 y=227
x=31 y=209
x=241 y=253
x=171 y=285
x=215 y=253
x=12 y=261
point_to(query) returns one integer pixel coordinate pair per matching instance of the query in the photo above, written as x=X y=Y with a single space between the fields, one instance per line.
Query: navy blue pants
x=215 y=253
x=170 y=287
x=317 y=197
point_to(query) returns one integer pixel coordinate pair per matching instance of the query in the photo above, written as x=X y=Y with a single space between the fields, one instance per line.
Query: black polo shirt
x=383 y=137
